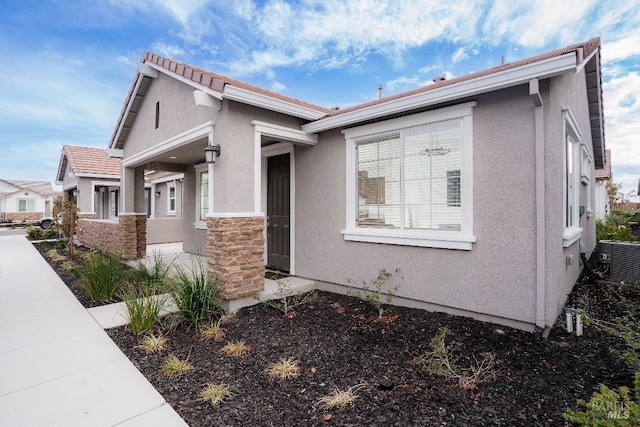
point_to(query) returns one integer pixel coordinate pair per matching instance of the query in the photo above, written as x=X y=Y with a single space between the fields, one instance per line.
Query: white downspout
x=536 y=98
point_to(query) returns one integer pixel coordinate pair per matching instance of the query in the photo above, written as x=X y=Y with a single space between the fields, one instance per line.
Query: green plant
x=216 y=393
x=55 y=255
x=628 y=328
x=615 y=226
x=143 y=308
x=286 y=300
x=340 y=398
x=68 y=211
x=441 y=360
x=101 y=276
x=608 y=407
x=152 y=343
x=154 y=276
x=235 y=348
x=175 y=366
x=372 y=292
x=284 y=369
x=196 y=295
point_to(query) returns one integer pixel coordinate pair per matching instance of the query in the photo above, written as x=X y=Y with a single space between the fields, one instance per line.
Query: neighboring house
x=474 y=187
x=603 y=178
x=25 y=200
x=92 y=179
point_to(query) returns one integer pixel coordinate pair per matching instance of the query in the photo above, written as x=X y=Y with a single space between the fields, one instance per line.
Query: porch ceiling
x=176 y=159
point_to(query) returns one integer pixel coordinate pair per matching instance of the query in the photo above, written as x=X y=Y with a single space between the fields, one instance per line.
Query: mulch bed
x=341 y=343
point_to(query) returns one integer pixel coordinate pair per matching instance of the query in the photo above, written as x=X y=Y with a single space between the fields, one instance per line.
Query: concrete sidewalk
x=57 y=366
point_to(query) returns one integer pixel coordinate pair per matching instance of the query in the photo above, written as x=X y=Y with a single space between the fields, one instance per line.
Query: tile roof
x=585 y=49
x=605 y=173
x=41 y=187
x=91 y=160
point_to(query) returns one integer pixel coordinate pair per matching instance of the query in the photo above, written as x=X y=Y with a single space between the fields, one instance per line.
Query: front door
x=278 y=212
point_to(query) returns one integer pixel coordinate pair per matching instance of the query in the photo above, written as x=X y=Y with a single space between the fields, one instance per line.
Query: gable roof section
x=216 y=85
x=546 y=65
x=43 y=188
x=87 y=161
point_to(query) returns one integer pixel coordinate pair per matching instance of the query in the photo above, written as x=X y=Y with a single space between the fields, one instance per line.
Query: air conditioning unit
x=624 y=260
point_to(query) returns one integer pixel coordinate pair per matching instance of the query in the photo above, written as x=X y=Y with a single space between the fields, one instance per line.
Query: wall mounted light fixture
x=211 y=152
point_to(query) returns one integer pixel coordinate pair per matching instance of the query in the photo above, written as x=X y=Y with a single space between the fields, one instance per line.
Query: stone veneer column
x=86 y=215
x=134 y=229
x=235 y=253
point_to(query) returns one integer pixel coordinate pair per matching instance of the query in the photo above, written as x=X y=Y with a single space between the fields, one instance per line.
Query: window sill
x=570 y=236
x=200 y=225
x=171 y=213
x=444 y=241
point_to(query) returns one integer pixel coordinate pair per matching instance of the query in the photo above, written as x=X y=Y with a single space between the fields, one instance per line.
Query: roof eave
x=508 y=78
x=264 y=101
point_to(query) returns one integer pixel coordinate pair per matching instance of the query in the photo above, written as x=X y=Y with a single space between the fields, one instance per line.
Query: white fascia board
x=114 y=140
x=284 y=133
x=117 y=153
x=97 y=175
x=521 y=75
x=267 y=102
x=70 y=186
x=185 y=80
x=179 y=140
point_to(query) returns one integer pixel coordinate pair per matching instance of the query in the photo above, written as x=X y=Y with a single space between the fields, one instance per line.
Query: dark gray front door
x=278 y=212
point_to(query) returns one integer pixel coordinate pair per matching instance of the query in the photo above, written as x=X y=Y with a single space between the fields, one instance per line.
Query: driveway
x=8 y=231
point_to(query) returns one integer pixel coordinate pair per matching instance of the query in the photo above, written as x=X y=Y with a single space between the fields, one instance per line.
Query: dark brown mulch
x=341 y=343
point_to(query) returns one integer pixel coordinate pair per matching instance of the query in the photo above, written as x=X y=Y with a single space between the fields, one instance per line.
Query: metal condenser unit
x=623 y=258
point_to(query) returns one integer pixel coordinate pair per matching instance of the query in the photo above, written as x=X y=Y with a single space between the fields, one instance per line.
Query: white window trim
x=170 y=185
x=571 y=234
x=462 y=239
x=586 y=175
x=202 y=167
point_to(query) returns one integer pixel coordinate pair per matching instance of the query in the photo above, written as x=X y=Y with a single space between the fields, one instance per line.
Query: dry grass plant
x=153 y=343
x=212 y=331
x=340 y=398
x=215 y=393
x=284 y=369
x=175 y=366
x=235 y=348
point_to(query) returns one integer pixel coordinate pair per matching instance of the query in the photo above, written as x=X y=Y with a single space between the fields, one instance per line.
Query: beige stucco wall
x=497 y=276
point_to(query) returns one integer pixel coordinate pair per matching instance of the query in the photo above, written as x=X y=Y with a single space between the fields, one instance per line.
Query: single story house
x=92 y=179
x=603 y=178
x=25 y=200
x=477 y=187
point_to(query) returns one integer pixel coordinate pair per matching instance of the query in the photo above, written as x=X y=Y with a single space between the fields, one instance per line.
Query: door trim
x=276 y=150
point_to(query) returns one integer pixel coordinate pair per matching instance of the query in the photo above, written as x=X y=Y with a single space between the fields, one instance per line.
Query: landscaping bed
x=341 y=343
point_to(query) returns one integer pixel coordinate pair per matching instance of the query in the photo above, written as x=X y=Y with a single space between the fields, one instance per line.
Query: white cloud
x=167 y=49
x=278 y=87
x=459 y=55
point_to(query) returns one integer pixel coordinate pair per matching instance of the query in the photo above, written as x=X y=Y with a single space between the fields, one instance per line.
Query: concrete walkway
x=57 y=366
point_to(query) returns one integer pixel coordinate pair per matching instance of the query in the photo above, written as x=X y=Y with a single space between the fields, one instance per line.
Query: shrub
x=101 y=276
x=38 y=234
x=195 y=294
x=143 y=308
x=441 y=360
x=615 y=226
x=212 y=330
x=286 y=300
x=372 y=292
x=608 y=407
x=152 y=343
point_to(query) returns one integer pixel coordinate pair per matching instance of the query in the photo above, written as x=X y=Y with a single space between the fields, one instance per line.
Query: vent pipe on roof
x=379 y=91
x=502 y=60
x=439 y=78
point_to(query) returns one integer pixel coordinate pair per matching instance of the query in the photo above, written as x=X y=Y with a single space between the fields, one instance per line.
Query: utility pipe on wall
x=536 y=98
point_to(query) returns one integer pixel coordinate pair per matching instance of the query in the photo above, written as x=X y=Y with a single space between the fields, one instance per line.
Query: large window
x=26 y=205
x=412 y=180
x=113 y=203
x=573 y=160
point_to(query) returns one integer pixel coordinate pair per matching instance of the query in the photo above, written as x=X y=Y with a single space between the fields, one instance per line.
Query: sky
x=67 y=65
